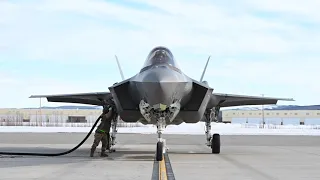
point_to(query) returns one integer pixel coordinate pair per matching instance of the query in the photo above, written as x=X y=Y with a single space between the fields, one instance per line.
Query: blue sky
x=68 y=46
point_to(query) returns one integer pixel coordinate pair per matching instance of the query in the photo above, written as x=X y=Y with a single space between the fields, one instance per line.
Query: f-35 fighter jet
x=161 y=94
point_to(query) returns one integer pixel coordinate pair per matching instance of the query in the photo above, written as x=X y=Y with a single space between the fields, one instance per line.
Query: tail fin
x=205 y=68
x=121 y=73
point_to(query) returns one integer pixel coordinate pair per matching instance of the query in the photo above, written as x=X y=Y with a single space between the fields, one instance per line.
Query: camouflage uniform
x=102 y=133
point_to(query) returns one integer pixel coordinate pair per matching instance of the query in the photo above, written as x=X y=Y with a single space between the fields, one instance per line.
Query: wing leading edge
x=227 y=100
x=93 y=98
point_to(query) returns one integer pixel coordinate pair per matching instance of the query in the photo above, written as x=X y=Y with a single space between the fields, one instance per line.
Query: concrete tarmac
x=242 y=157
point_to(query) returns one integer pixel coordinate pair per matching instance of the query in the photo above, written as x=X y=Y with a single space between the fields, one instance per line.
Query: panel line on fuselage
x=163 y=64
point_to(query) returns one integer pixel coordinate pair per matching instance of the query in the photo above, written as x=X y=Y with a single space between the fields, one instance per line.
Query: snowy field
x=198 y=128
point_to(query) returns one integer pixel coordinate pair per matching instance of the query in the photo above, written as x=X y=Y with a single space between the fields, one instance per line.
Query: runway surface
x=242 y=157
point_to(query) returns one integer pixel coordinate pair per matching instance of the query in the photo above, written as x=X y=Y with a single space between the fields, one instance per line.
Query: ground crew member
x=102 y=132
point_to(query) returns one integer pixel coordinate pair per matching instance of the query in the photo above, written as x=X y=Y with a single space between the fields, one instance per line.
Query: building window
x=259 y=113
x=250 y=113
x=285 y=113
x=242 y=113
x=25 y=120
x=318 y=113
x=307 y=113
x=295 y=113
x=267 y=113
x=76 y=119
x=277 y=113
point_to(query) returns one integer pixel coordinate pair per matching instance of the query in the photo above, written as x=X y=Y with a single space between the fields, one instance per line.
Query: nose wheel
x=161 y=144
x=159 y=151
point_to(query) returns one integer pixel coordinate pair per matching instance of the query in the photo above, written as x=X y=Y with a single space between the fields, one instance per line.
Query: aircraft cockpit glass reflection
x=160 y=55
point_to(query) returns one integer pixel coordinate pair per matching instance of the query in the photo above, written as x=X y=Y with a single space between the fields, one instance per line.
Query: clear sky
x=67 y=46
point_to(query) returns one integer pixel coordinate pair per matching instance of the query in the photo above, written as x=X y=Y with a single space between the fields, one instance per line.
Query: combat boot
x=91 y=152
x=103 y=154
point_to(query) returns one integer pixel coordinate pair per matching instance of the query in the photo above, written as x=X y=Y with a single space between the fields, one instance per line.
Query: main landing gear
x=161 y=144
x=112 y=138
x=112 y=141
x=214 y=140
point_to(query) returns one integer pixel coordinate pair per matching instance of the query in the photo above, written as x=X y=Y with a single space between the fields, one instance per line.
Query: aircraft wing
x=243 y=100
x=93 y=98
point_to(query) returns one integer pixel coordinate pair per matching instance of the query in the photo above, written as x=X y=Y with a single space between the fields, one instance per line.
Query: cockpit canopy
x=160 y=55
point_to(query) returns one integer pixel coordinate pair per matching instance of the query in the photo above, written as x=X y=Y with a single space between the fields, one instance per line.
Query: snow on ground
x=197 y=128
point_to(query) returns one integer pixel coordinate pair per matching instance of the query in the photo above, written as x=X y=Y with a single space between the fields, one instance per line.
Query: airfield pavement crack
x=247 y=168
x=299 y=151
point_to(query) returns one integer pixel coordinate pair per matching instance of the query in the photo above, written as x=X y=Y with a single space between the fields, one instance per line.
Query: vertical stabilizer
x=121 y=73
x=205 y=68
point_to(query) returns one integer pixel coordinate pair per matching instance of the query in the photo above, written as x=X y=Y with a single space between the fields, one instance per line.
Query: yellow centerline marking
x=162 y=170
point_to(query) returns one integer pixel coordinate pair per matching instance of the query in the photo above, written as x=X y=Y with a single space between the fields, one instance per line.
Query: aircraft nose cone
x=161 y=86
x=162 y=74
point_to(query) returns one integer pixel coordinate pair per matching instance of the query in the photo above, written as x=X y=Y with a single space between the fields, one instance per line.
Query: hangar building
x=52 y=117
x=278 y=117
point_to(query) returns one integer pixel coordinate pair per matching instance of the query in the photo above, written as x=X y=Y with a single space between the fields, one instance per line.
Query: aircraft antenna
x=205 y=68
x=122 y=76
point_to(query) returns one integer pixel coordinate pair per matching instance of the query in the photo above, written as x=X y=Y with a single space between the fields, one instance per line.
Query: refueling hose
x=55 y=154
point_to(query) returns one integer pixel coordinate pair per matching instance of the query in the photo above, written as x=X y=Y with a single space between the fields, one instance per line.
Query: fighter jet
x=161 y=94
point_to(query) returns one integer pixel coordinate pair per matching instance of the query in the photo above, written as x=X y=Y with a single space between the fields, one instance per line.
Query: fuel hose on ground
x=55 y=154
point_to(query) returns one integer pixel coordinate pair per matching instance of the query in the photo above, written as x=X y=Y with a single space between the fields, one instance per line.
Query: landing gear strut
x=112 y=138
x=214 y=140
x=161 y=144
x=162 y=117
x=112 y=141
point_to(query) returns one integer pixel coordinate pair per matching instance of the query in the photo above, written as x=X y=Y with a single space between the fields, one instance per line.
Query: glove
x=106 y=109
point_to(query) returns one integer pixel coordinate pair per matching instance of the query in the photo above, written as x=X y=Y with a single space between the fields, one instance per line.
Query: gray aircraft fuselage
x=161 y=81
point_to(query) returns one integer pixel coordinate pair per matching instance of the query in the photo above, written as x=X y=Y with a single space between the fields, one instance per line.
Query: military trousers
x=104 y=138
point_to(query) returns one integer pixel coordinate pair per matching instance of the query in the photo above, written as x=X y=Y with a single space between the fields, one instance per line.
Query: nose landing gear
x=161 y=144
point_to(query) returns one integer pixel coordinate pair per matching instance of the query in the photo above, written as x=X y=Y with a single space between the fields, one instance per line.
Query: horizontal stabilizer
x=93 y=98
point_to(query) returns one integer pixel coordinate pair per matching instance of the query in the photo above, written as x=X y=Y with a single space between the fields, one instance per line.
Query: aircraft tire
x=159 y=151
x=215 y=144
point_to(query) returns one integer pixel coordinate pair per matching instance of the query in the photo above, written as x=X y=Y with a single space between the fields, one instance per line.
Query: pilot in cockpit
x=160 y=56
